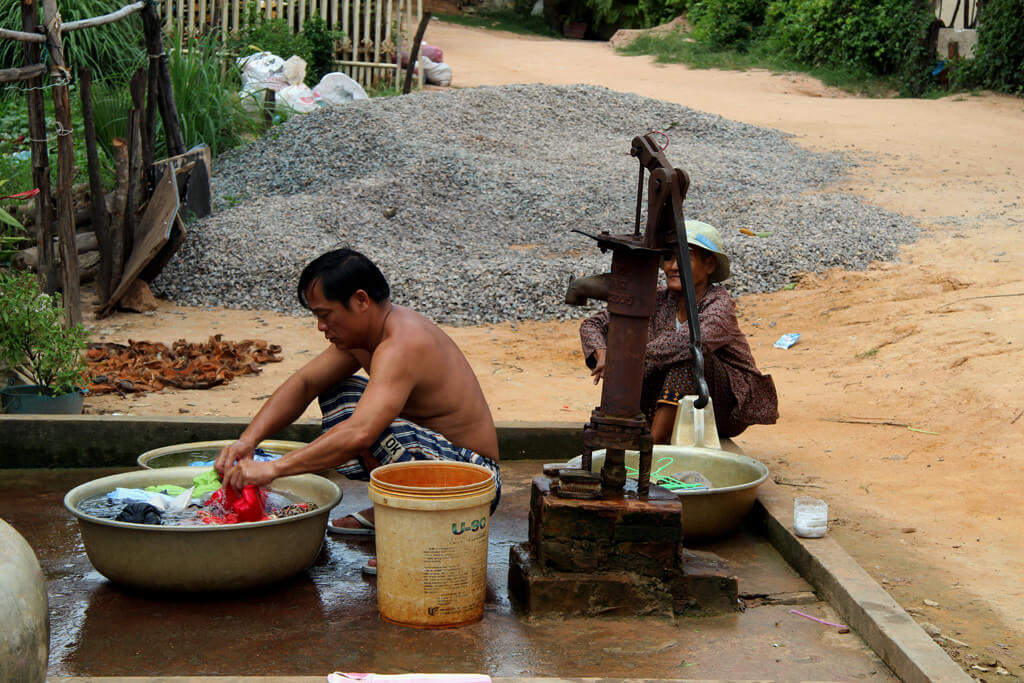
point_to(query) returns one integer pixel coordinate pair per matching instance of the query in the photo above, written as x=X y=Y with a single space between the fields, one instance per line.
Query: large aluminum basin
x=707 y=513
x=208 y=557
x=201 y=451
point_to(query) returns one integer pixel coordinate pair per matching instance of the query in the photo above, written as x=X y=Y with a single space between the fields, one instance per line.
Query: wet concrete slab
x=326 y=619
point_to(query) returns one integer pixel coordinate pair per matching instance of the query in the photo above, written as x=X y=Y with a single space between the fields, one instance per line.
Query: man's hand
x=599 y=358
x=232 y=454
x=247 y=472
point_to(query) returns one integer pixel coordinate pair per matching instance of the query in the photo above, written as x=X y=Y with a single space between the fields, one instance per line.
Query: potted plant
x=35 y=346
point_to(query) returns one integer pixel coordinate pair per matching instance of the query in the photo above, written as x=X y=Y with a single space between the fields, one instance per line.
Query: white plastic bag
x=295 y=70
x=337 y=88
x=298 y=98
x=262 y=70
x=437 y=73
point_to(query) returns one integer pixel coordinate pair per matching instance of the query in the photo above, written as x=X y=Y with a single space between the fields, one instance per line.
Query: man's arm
x=395 y=372
x=288 y=402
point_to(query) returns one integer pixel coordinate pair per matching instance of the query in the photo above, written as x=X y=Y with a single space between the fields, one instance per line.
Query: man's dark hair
x=341 y=272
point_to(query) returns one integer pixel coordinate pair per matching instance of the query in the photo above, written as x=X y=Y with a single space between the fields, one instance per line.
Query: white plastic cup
x=810 y=517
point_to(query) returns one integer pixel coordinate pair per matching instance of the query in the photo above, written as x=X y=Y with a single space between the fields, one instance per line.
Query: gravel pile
x=466 y=200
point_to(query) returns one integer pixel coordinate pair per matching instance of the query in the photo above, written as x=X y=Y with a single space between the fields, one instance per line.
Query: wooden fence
x=374 y=30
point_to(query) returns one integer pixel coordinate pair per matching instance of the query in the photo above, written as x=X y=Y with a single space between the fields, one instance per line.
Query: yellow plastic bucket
x=431 y=520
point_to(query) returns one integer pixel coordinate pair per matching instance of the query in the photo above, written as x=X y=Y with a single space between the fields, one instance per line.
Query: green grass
x=678 y=47
x=502 y=20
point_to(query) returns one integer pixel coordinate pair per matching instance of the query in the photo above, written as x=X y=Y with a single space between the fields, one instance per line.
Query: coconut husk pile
x=151 y=366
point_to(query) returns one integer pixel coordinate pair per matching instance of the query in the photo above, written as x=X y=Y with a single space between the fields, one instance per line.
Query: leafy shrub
x=878 y=36
x=33 y=340
x=727 y=23
x=321 y=47
x=604 y=17
x=999 y=55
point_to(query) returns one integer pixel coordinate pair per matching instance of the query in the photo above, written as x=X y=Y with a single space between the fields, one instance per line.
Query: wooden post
x=65 y=164
x=415 y=51
x=168 y=109
x=149 y=130
x=40 y=157
x=100 y=218
x=137 y=88
x=134 y=189
x=120 y=205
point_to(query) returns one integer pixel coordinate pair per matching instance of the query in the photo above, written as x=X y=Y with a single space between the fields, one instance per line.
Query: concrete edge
x=321 y=679
x=50 y=441
x=864 y=605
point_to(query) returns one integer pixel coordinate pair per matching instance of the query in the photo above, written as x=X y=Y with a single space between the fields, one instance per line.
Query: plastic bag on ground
x=435 y=73
x=295 y=70
x=337 y=88
x=298 y=98
x=432 y=52
x=262 y=70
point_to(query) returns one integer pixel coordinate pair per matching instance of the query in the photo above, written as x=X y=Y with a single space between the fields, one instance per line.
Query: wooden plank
x=65 y=165
x=154 y=232
x=125 y=11
x=40 y=156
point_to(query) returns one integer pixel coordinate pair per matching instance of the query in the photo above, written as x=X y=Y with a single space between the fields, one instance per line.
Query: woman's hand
x=600 y=355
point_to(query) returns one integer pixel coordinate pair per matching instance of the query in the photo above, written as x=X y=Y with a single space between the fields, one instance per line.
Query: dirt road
x=929 y=504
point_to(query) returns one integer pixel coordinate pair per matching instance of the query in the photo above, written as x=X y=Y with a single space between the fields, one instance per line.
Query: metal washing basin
x=203 y=558
x=707 y=513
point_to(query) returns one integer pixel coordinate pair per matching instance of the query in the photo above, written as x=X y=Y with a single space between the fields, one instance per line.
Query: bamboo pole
x=398 y=44
x=357 y=72
x=125 y=11
x=202 y=15
x=377 y=19
x=224 y=30
x=40 y=155
x=65 y=164
x=367 y=11
x=290 y=11
x=98 y=205
x=234 y=14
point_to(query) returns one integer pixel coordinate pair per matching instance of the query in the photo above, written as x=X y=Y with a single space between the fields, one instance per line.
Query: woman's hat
x=705 y=236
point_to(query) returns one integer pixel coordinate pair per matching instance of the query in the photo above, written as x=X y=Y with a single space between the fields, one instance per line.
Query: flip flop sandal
x=369 y=569
x=366 y=527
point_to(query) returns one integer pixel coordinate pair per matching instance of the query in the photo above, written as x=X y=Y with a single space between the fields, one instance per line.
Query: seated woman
x=741 y=395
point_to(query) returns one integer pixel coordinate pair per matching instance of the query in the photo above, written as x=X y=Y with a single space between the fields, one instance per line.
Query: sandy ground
x=929 y=505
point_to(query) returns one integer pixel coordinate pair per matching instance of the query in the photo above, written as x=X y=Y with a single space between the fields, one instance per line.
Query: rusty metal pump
x=618 y=424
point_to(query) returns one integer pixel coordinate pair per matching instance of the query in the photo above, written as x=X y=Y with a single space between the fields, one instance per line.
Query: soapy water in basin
x=276 y=504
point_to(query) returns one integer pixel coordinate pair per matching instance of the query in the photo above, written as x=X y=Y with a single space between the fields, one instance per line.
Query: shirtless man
x=421 y=402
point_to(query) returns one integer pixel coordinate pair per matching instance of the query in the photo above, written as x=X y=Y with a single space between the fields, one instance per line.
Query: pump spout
x=590 y=287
